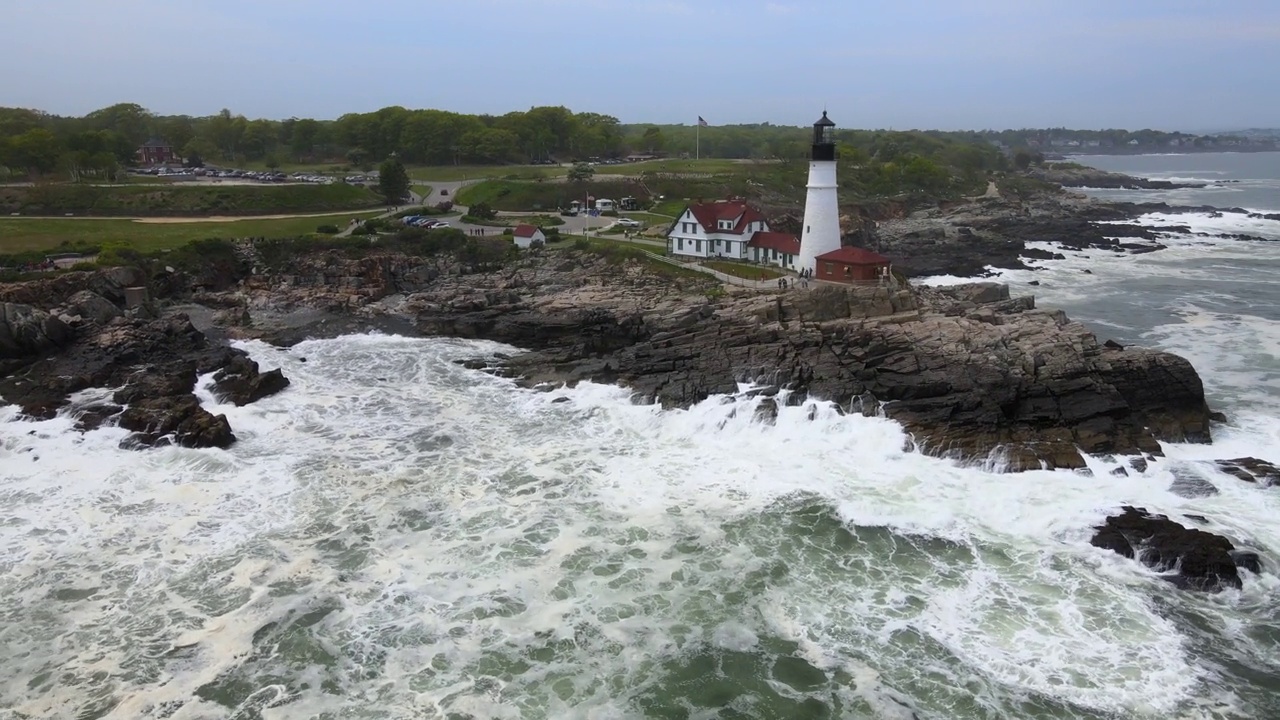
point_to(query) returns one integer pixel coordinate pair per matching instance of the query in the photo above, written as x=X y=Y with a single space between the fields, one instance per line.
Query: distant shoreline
x=1189 y=151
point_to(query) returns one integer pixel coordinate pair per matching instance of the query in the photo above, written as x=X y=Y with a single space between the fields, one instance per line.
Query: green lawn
x=44 y=234
x=538 y=220
x=670 y=207
x=651 y=219
x=184 y=200
x=743 y=270
x=673 y=165
x=455 y=173
x=623 y=250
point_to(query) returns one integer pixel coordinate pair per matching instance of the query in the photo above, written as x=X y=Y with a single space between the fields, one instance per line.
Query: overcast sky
x=951 y=64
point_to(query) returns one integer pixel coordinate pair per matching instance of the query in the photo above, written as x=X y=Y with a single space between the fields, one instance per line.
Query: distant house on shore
x=733 y=230
x=526 y=235
x=156 y=152
x=851 y=265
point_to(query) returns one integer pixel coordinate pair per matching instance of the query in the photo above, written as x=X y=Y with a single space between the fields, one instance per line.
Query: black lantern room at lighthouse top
x=824 y=139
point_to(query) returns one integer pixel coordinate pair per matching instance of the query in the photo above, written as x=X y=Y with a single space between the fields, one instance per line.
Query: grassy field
x=183 y=200
x=525 y=196
x=650 y=219
x=455 y=173
x=743 y=270
x=622 y=250
x=46 y=234
x=670 y=208
x=714 y=166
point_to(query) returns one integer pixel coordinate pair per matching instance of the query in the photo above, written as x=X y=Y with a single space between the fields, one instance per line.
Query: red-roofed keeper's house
x=733 y=230
x=851 y=265
x=526 y=235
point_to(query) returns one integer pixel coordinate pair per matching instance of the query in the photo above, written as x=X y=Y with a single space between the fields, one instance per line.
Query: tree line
x=102 y=142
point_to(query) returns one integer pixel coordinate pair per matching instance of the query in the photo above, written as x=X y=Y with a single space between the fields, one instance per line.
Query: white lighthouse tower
x=821 y=231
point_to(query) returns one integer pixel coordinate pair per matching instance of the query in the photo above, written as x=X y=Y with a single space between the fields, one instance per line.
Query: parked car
x=569 y=213
x=628 y=223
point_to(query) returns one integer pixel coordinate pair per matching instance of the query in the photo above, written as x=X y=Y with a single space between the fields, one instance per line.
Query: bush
x=537 y=245
x=552 y=234
x=114 y=254
x=483 y=211
x=609 y=213
x=508 y=231
x=363 y=229
x=444 y=206
x=582 y=244
x=328 y=229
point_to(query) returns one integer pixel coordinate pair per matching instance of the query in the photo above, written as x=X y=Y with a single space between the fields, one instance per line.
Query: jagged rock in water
x=1202 y=560
x=178 y=419
x=240 y=382
x=1252 y=470
x=1188 y=483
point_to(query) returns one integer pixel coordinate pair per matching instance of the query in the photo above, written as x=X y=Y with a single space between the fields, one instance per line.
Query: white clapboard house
x=733 y=230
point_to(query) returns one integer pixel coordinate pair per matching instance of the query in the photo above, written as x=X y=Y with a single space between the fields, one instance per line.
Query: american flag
x=701 y=122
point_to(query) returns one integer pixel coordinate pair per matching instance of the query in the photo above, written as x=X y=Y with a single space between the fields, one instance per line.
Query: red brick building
x=156 y=152
x=851 y=265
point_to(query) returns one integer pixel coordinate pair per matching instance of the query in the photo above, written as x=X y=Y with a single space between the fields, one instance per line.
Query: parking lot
x=236 y=176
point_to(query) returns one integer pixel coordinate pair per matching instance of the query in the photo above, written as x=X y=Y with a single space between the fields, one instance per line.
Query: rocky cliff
x=969 y=371
x=1081 y=176
x=71 y=333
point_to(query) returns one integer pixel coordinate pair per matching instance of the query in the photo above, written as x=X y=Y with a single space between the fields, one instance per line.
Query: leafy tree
x=36 y=150
x=197 y=150
x=482 y=211
x=131 y=120
x=489 y=145
x=1022 y=158
x=226 y=131
x=177 y=131
x=581 y=173
x=393 y=181
x=357 y=156
x=303 y=139
x=272 y=161
x=653 y=140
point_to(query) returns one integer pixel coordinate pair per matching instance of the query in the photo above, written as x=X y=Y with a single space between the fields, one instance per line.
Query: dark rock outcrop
x=176 y=419
x=1079 y=176
x=240 y=382
x=1194 y=558
x=90 y=307
x=1252 y=470
x=968 y=370
x=154 y=365
x=27 y=332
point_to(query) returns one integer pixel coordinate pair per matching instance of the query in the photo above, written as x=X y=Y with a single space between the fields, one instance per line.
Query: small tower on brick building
x=821 y=231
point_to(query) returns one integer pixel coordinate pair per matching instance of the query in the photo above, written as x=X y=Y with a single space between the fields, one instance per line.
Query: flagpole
x=697 y=140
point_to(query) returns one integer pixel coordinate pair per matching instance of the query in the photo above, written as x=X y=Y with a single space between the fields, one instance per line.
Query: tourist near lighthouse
x=821 y=231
